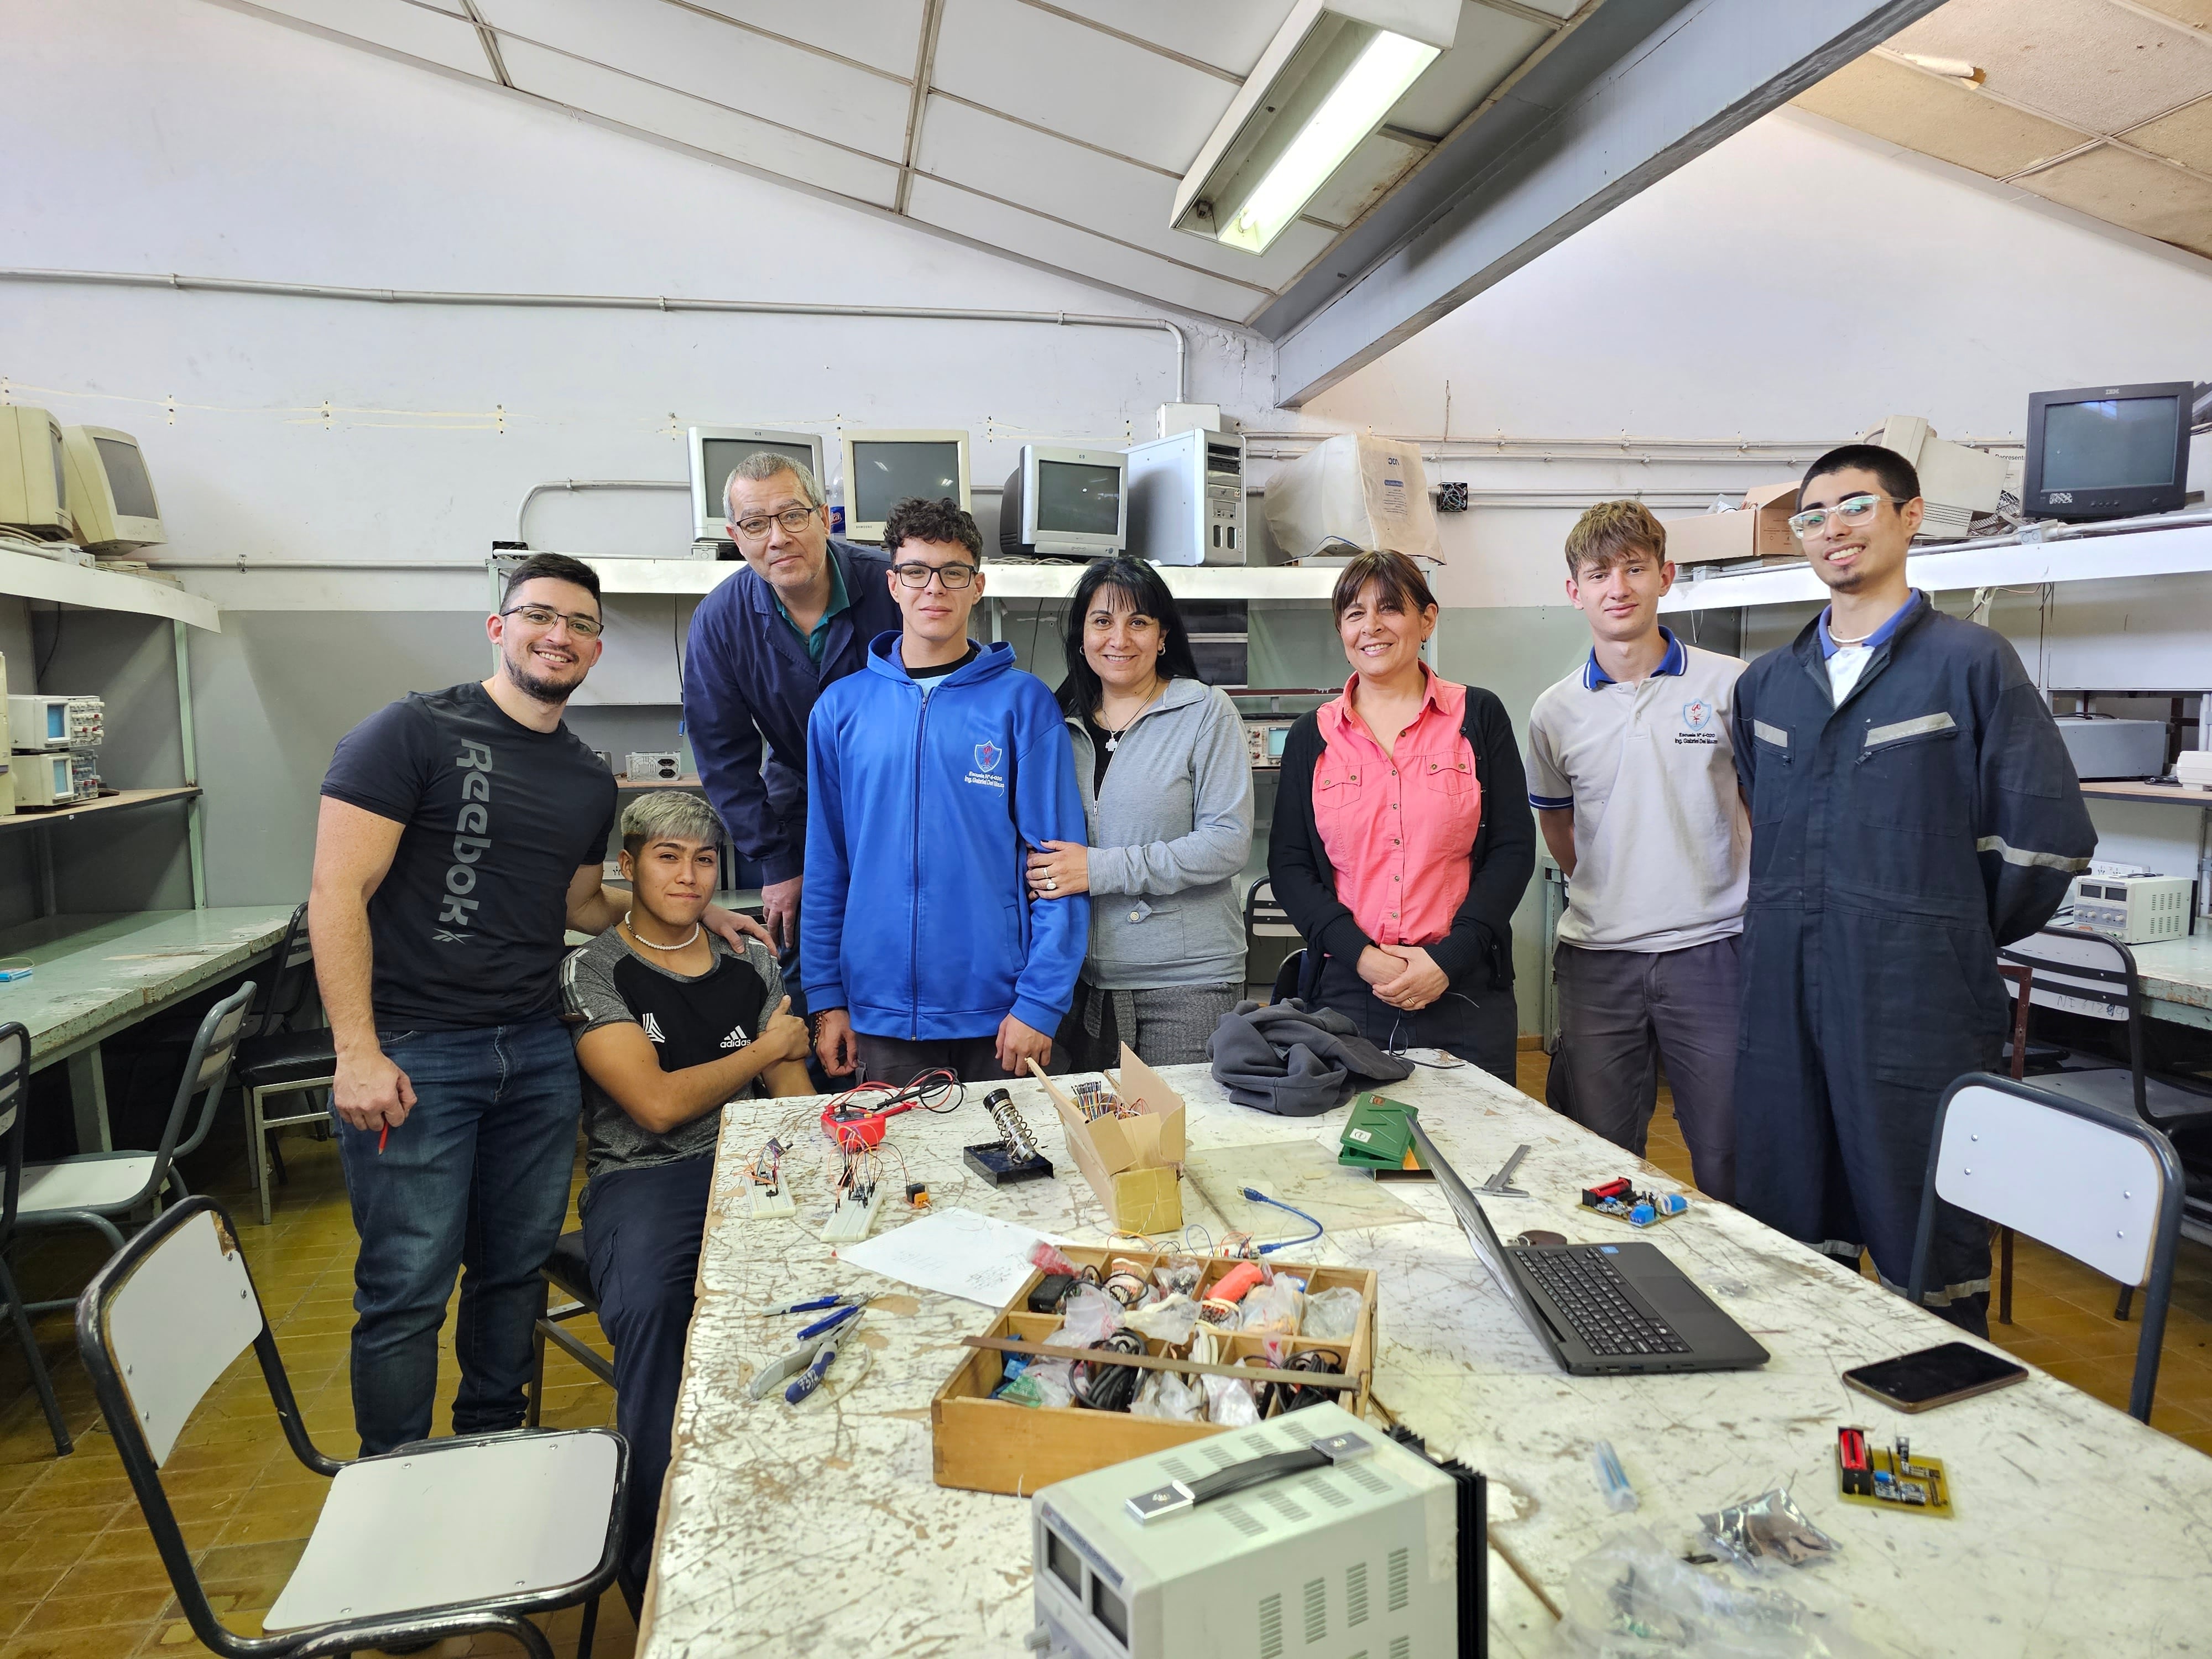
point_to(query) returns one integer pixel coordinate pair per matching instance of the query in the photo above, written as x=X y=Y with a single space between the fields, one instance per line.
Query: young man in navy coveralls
x=1912 y=808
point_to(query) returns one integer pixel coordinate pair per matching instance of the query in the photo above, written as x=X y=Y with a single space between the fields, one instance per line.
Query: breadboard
x=851 y=1221
x=761 y=1205
x=1883 y=1461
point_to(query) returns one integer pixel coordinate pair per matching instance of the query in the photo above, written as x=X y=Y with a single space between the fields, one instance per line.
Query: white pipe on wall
x=601 y=302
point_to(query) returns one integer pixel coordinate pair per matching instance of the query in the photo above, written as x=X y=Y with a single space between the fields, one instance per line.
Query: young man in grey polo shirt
x=1632 y=776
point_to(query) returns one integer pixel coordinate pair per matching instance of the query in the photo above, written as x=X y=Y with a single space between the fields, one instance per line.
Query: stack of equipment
x=55 y=743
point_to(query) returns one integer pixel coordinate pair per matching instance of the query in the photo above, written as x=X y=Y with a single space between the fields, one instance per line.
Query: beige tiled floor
x=78 y=1572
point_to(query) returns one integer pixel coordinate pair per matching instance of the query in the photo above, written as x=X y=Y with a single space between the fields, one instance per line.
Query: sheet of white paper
x=956 y=1252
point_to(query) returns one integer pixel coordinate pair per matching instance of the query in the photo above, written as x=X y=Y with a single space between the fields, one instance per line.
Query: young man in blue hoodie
x=929 y=774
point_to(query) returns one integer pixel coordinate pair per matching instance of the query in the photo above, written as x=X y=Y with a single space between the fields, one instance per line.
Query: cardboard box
x=1133 y=1163
x=981 y=1444
x=1759 y=529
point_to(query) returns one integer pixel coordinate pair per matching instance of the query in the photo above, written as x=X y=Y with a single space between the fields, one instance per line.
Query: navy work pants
x=642 y=1233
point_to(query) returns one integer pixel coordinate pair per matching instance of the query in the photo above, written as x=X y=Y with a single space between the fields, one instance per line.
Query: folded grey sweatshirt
x=1171 y=827
x=1295 y=1061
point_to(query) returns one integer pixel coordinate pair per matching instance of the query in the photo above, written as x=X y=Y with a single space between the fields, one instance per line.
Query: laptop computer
x=1602 y=1309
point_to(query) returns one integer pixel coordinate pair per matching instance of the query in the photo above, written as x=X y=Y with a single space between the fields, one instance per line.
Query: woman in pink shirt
x=1402 y=839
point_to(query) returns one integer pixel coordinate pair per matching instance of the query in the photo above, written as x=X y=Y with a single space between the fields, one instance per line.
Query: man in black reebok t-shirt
x=461 y=832
x=671 y=1024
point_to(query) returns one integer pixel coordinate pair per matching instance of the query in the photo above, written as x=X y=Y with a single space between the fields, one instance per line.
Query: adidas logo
x=736 y=1038
x=653 y=1030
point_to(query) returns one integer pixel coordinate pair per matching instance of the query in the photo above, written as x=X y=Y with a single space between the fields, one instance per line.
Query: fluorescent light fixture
x=1331 y=76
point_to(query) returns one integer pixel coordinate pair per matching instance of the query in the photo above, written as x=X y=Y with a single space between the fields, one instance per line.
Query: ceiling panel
x=1938 y=117
x=886 y=33
x=1230 y=34
x=1379 y=162
x=2185 y=136
x=1559 y=8
x=415 y=30
x=712 y=59
x=1118 y=199
x=1489 y=46
x=2088 y=63
x=1005 y=55
x=995 y=225
x=2127 y=190
x=604 y=92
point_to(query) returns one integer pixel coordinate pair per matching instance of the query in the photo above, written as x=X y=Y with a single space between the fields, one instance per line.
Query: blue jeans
x=477 y=1176
x=643 y=1228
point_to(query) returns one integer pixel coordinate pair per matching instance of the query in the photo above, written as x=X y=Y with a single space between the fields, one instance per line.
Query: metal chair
x=2086 y=974
x=14 y=1071
x=434 y=1540
x=277 y=1059
x=566 y=1270
x=1287 y=977
x=2104 y=1189
x=90 y=1189
x=2021 y=984
x=1269 y=939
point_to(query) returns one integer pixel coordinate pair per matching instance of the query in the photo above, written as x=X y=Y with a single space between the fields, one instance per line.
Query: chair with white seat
x=2104 y=1189
x=93 y=1189
x=439 y=1539
x=14 y=1071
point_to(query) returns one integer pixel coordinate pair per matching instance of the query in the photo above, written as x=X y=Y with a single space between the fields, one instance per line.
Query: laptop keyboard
x=1588 y=1290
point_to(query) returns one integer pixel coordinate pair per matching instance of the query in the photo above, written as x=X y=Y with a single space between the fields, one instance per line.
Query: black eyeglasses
x=544 y=615
x=954 y=576
x=792 y=519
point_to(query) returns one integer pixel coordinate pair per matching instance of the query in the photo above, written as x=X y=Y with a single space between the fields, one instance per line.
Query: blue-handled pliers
x=824 y=1358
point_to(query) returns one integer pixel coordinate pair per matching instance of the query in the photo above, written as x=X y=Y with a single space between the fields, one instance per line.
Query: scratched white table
x=819 y=1530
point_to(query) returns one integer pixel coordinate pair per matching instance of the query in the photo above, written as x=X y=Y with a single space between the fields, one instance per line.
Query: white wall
x=1799 y=282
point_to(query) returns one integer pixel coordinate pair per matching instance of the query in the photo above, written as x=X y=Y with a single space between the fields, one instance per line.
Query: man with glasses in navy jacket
x=929 y=776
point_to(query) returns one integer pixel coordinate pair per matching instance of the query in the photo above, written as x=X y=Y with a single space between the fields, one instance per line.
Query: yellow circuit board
x=1927 y=1475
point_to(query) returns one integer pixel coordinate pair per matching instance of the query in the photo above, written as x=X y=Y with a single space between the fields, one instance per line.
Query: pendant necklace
x=684 y=944
x=1114 y=739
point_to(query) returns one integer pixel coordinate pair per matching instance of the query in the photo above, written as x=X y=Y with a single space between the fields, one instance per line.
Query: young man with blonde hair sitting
x=1632 y=775
x=671 y=1024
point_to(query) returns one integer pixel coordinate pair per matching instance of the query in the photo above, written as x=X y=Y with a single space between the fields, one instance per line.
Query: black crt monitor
x=2110 y=452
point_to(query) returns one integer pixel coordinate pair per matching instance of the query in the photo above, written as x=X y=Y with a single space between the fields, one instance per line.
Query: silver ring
x=1051 y=885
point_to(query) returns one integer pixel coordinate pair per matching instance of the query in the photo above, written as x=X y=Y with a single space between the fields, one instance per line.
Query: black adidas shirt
x=469 y=923
x=688 y=1021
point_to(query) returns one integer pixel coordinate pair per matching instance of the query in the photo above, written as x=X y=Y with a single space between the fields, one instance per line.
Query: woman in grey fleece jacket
x=1166 y=779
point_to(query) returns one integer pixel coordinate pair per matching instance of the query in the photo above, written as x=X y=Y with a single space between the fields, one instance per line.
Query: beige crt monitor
x=110 y=494
x=33 y=485
x=882 y=469
x=1957 y=483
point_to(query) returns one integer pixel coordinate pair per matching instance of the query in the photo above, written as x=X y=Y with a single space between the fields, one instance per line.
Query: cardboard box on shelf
x=1133 y=1163
x=1759 y=529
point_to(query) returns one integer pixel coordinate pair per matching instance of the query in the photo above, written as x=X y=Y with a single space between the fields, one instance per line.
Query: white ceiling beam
x=917 y=109
x=1667 y=94
x=490 y=41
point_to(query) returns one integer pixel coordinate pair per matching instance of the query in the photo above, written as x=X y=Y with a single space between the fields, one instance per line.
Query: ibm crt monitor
x=715 y=450
x=111 y=496
x=2108 y=452
x=1069 y=502
x=882 y=469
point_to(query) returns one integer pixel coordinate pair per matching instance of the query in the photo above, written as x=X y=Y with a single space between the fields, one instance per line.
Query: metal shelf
x=2161 y=794
x=2094 y=553
x=34 y=818
x=33 y=577
x=691 y=577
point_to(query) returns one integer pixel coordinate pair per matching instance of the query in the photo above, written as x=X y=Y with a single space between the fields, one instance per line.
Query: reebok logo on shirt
x=469 y=846
x=653 y=1029
x=736 y=1038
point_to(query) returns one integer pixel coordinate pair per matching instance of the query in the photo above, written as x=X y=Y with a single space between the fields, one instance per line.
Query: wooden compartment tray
x=982 y=1444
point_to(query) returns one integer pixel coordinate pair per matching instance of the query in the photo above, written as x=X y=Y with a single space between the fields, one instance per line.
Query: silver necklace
x=685 y=944
x=1114 y=739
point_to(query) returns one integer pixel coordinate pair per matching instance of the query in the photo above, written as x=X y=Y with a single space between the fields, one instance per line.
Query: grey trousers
x=1170 y=1026
x=1623 y=1012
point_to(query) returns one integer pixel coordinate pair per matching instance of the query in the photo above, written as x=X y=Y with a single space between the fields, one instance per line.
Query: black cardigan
x=1502 y=858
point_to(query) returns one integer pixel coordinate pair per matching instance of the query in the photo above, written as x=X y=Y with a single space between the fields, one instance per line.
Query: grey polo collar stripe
x=1939 y=722
x=2020 y=855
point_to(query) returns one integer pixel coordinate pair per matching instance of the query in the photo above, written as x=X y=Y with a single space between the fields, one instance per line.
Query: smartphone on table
x=1934 y=1376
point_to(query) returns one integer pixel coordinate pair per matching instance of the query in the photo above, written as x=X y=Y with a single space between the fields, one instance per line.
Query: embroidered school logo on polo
x=987 y=756
x=1697 y=714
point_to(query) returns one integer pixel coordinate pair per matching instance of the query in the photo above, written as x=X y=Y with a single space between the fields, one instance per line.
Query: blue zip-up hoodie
x=915 y=917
